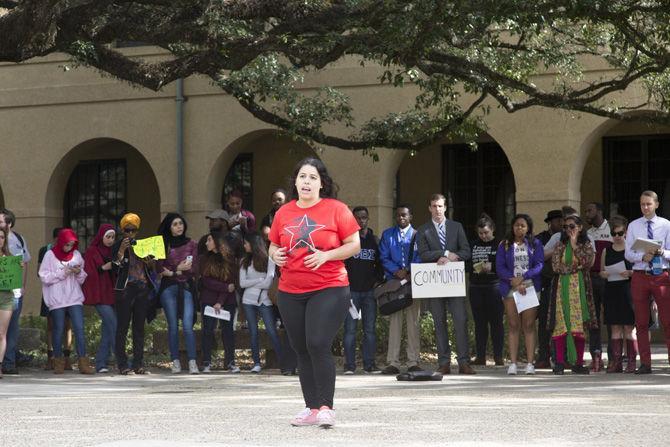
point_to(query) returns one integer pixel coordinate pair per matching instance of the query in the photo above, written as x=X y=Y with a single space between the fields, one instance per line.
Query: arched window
x=634 y=164
x=479 y=181
x=96 y=194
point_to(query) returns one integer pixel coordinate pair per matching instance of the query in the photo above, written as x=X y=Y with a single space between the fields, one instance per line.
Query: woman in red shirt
x=98 y=290
x=310 y=237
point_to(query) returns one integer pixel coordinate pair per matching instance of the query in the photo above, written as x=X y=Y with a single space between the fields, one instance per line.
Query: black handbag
x=419 y=376
x=395 y=295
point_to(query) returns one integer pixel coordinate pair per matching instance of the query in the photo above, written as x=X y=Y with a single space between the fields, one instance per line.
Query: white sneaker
x=348 y=372
x=530 y=369
x=326 y=417
x=256 y=369
x=234 y=369
x=511 y=371
x=176 y=366
x=206 y=369
x=193 y=367
x=304 y=418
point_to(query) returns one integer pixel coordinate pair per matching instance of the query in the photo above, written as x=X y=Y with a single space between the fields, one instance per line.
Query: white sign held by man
x=435 y=281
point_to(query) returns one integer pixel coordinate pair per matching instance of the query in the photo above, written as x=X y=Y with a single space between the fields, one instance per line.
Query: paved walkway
x=490 y=408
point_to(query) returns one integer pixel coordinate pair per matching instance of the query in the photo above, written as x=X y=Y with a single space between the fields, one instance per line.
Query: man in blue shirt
x=395 y=252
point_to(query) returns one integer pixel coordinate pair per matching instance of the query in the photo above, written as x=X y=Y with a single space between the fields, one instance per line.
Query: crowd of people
x=313 y=265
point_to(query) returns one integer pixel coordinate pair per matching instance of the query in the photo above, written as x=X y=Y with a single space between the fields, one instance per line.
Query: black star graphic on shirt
x=301 y=234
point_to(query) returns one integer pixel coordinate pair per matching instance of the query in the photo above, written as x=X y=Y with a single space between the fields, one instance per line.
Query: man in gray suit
x=442 y=240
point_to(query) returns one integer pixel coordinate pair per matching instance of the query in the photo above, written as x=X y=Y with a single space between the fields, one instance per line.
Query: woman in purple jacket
x=519 y=262
x=218 y=278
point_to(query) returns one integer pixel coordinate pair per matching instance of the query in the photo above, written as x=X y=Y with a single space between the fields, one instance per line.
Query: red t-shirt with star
x=301 y=230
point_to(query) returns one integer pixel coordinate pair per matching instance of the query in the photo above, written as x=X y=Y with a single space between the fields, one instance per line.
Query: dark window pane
x=479 y=181
x=96 y=194
x=632 y=165
x=240 y=177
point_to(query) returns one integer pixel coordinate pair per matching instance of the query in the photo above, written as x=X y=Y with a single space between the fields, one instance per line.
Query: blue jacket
x=505 y=266
x=391 y=250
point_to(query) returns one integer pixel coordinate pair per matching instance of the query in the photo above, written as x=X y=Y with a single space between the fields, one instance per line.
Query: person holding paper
x=443 y=240
x=6 y=300
x=133 y=289
x=487 y=308
x=650 y=274
x=256 y=276
x=177 y=287
x=365 y=271
x=217 y=289
x=519 y=262
x=311 y=236
x=571 y=309
x=99 y=290
x=618 y=301
x=62 y=274
x=18 y=246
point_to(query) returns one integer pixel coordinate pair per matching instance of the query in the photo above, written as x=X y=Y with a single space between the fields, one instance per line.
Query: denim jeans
x=267 y=313
x=365 y=302
x=227 y=335
x=169 y=303
x=107 y=336
x=76 y=313
x=9 y=362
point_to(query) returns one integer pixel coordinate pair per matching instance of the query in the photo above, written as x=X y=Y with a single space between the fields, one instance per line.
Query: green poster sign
x=11 y=272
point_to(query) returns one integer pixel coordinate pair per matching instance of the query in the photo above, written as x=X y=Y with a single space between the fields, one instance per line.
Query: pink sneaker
x=326 y=417
x=305 y=417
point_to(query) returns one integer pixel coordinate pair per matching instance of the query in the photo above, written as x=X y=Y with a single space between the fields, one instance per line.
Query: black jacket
x=428 y=241
x=121 y=268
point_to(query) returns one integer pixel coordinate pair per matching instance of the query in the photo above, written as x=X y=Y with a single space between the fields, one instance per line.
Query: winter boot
x=615 y=366
x=59 y=365
x=85 y=366
x=631 y=352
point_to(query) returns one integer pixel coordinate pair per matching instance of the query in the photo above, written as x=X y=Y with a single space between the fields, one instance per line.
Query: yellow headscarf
x=132 y=219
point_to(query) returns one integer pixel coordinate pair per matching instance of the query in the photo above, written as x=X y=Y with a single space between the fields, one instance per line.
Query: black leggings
x=312 y=321
x=132 y=304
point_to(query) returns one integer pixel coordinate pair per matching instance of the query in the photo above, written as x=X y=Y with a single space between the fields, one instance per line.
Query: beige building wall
x=51 y=119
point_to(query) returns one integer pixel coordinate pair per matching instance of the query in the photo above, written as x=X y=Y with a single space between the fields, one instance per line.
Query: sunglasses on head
x=569 y=226
x=129 y=230
x=617 y=233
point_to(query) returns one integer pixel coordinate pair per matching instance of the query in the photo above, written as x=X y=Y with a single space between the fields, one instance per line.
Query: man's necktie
x=443 y=236
x=650 y=235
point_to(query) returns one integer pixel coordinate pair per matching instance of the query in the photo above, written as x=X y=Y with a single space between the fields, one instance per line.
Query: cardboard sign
x=438 y=281
x=151 y=246
x=11 y=272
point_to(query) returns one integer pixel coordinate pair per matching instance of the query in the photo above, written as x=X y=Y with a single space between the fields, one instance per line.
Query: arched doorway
x=97 y=182
x=256 y=164
x=623 y=160
x=474 y=180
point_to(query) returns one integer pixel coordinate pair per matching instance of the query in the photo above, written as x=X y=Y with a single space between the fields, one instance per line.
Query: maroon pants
x=642 y=287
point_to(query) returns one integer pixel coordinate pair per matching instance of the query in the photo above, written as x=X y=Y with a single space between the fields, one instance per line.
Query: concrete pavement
x=490 y=408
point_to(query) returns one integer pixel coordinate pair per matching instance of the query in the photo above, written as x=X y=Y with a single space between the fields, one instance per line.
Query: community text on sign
x=435 y=281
